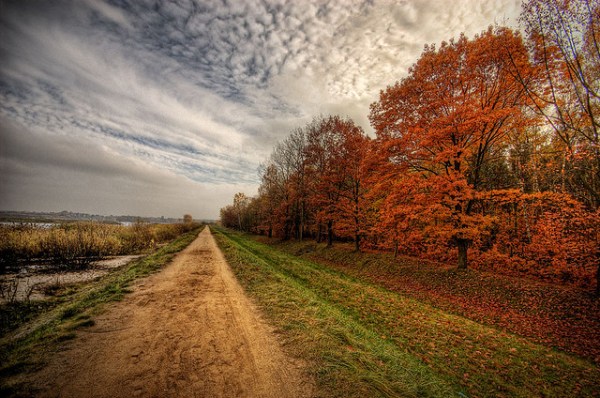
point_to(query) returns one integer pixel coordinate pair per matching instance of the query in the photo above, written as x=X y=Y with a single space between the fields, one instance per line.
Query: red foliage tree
x=335 y=151
x=441 y=122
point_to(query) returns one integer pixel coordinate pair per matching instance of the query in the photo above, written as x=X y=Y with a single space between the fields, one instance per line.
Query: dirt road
x=188 y=331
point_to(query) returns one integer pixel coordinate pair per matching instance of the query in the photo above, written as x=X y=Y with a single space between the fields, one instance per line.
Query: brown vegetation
x=77 y=244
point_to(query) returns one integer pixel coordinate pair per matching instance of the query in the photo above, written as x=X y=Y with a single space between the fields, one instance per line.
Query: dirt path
x=188 y=331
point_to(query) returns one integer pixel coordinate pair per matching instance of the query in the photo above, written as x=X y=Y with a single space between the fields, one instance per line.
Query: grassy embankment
x=563 y=316
x=362 y=339
x=24 y=349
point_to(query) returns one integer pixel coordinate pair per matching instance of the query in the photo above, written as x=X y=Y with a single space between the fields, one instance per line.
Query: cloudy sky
x=166 y=107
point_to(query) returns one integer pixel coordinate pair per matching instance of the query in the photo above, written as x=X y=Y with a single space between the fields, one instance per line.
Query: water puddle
x=33 y=282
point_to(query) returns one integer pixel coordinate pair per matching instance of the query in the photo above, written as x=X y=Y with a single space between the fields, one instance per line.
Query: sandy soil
x=188 y=331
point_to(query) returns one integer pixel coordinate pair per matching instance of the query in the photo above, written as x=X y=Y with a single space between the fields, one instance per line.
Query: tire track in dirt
x=188 y=331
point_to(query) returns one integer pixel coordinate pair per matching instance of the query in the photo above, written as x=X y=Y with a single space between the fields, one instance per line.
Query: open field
x=363 y=339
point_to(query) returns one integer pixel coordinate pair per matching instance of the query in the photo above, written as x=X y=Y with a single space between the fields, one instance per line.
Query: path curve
x=188 y=331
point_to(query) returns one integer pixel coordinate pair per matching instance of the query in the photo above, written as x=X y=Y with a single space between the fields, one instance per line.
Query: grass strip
x=25 y=350
x=347 y=359
x=364 y=340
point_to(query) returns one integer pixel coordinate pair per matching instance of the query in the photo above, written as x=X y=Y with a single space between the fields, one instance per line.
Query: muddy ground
x=32 y=282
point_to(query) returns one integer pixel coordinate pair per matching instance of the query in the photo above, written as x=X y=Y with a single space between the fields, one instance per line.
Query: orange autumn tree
x=351 y=220
x=335 y=148
x=439 y=125
x=564 y=43
x=549 y=235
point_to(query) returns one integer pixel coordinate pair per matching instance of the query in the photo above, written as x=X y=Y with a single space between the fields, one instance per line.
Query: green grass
x=361 y=339
x=26 y=352
x=566 y=317
x=13 y=315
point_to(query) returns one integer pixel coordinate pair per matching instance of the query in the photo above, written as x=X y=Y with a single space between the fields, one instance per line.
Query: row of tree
x=489 y=147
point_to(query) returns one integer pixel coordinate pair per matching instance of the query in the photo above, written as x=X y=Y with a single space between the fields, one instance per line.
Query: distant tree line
x=487 y=153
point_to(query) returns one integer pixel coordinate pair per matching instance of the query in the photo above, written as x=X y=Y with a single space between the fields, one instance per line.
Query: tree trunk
x=356 y=215
x=463 y=246
x=301 y=222
x=598 y=272
x=598 y=281
x=287 y=230
x=396 y=248
x=330 y=233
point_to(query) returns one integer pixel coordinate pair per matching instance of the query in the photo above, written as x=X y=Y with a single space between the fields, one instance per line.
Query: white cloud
x=41 y=172
x=184 y=100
